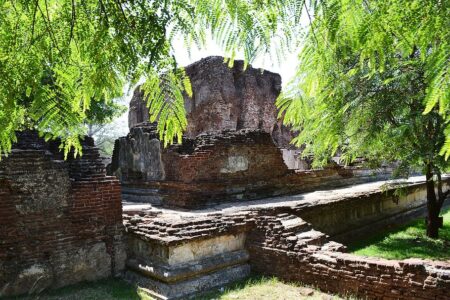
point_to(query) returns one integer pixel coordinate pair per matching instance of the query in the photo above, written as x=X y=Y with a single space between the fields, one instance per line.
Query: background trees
x=373 y=81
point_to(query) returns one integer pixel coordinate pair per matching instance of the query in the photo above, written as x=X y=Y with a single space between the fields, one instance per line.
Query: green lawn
x=406 y=242
x=264 y=288
x=256 y=287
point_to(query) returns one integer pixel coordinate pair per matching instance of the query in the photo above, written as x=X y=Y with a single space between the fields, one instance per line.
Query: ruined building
x=234 y=148
x=204 y=213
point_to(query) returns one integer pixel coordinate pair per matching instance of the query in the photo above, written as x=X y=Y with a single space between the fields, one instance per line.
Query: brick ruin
x=234 y=148
x=60 y=221
x=215 y=168
x=229 y=99
x=175 y=255
x=204 y=213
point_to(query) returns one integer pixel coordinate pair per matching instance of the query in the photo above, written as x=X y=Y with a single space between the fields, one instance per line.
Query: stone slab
x=170 y=274
x=188 y=288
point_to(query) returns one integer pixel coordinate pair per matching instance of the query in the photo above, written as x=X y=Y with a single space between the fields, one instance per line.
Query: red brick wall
x=321 y=264
x=55 y=230
x=348 y=274
x=207 y=157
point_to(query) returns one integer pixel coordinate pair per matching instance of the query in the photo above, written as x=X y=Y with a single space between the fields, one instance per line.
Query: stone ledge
x=188 y=288
x=172 y=232
x=170 y=274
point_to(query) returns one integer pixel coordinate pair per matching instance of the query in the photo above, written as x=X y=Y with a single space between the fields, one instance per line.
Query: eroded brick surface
x=60 y=221
x=281 y=243
x=215 y=168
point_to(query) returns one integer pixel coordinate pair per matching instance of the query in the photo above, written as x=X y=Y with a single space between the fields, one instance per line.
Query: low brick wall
x=55 y=228
x=348 y=274
x=283 y=245
x=366 y=212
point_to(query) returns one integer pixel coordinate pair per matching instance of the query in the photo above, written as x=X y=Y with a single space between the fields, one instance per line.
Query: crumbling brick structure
x=60 y=221
x=234 y=148
x=280 y=246
x=215 y=168
x=227 y=98
x=179 y=253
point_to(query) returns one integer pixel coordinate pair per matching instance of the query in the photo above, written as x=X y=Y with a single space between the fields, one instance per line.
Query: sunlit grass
x=111 y=289
x=264 y=288
x=407 y=242
x=255 y=287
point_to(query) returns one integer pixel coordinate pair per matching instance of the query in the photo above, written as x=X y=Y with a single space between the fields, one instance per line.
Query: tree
x=92 y=48
x=100 y=124
x=373 y=81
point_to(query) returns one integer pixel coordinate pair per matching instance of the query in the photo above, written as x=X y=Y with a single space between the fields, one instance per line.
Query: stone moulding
x=174 y=259
x=60 y=221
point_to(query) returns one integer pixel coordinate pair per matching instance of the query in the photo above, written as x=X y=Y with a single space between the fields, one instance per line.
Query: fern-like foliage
x=57 y=57
x=373 y=81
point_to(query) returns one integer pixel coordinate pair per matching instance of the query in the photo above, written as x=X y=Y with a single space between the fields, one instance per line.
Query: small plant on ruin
x=373 y=81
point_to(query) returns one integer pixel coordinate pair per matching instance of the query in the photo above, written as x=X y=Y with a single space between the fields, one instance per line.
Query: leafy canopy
x=373 y=80
x=57 y=57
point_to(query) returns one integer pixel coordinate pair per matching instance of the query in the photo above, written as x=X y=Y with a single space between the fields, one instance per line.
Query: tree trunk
x=432 y=206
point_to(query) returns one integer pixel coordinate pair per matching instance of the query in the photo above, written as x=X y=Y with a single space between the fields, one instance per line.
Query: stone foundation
x=175 y=254
x=228 y=166
x=174 y=258
x=60 y=221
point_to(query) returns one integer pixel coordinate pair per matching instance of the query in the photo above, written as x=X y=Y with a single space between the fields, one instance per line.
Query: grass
x=406 y=242
x=263 y=288
x=108 y=289
x=255 y=287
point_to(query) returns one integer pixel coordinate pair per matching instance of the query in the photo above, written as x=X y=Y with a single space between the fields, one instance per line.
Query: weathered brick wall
x=240 y=156
x=348 y=274
x=215 y=168
x=60 y=221
x=296 y=253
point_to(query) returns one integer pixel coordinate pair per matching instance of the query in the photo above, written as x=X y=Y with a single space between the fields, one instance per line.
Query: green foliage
x=104 y=112
x=373 y=81
x=406 y=242
x=57 y=58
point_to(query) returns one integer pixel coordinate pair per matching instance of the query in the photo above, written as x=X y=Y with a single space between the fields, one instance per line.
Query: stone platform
x=174 y=254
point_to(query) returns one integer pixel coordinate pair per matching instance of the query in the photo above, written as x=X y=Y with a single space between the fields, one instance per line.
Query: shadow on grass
x=407 y=241
x=111 y=289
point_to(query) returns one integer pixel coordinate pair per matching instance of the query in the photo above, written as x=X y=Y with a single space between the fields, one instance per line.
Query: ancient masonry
x=60 y=221
x=232 y=150
x=175 y=254
x=205 y=213
x=230 y=99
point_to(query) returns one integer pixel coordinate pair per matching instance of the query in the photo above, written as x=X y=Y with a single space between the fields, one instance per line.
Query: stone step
x=311 y=237
x=168 y=273
x=295 y=224
x=188 y=288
